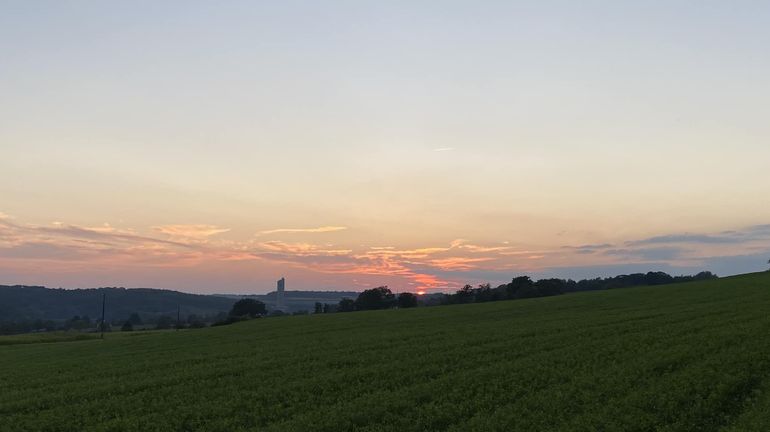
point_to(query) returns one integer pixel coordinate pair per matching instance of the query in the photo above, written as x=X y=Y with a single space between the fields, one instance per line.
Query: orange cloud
x=323 y=229
x=457 y=263
x=300 y=249
x=193 y=231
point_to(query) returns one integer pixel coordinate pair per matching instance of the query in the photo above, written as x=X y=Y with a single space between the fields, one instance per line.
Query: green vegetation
x=684 y=357
x=46 y=337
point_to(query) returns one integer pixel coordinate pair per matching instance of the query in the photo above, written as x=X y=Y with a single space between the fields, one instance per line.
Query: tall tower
x=279 y=294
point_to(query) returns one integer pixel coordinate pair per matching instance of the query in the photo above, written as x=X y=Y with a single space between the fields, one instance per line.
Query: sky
x=218 y=146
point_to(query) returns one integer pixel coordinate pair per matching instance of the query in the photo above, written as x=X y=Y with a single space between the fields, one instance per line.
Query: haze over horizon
x=215 y=147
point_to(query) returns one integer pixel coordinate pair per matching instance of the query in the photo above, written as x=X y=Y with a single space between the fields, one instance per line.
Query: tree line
x=520 y=287
x=382 y=297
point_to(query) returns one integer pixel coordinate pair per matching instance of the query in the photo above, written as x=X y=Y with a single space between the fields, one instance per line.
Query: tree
x=521 y=286
x=248 y=307
x=406 y=300
x=658 y=278
x=346 y=305
x=375 y=298
x=485 y=293
x=549 y=287
x=464 y=295
x=706 y=275
x=78 y=323
x=134 y=319
x=319 y=308
x=127 y=326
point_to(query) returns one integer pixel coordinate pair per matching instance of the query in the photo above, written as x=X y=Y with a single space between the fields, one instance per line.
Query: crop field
x=687 y=357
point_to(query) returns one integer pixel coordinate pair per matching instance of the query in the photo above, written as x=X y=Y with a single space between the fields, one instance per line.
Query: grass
x=50 y=337
x=686 y=357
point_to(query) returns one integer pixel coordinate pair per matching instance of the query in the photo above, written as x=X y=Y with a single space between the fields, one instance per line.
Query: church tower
x=279 y=294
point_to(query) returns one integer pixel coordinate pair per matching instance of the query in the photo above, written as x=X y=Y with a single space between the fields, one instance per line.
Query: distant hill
x=25 y=303
x=35 y=302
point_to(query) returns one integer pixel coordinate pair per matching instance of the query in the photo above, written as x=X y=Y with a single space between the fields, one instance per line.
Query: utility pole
x=104 y=301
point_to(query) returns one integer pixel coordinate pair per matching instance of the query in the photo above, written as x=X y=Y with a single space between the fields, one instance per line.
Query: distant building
x=279 y=294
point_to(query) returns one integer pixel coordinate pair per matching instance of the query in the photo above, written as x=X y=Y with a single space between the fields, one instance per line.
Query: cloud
x=748 y=234
x=650 y=254
x=443 y=149
x=300 y=249
x=192 y=231
x=687 y=238
x=457 y=263
x=98 y=233
x=323 y=229
x=588 y=248
x=70 y=249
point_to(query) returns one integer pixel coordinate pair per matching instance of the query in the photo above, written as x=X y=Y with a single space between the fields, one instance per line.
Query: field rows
x=675 y=358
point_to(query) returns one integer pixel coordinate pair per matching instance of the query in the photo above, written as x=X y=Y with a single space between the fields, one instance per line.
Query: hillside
x=27 y=303
x=685 y=357
x=30 y=302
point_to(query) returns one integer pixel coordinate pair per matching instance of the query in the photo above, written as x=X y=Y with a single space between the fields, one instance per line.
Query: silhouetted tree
x=464 y=295
x=248 y=307
x=319 y=308
x=549 y=287
x=375 y=298
x=346 y=305
x=658 y=278
x=127 y=326
x=485 y=293
x=704 y=275
x=406 y=300
x=135 y=319
x=520 y=286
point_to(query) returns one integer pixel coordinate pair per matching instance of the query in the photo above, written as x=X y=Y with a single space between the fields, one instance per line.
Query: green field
x=687 y=357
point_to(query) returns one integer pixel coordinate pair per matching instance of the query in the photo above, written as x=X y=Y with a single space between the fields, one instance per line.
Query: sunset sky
x=216 y=146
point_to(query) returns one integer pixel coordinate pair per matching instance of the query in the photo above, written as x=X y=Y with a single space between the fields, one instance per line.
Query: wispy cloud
x=193 y=231
x=323 y=229
x=686 y=238
x=656 y=254
x=443 y=149
x=301 y=249
x=748 y=234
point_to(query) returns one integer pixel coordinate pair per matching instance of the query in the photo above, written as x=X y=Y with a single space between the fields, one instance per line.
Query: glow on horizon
x=213 y=148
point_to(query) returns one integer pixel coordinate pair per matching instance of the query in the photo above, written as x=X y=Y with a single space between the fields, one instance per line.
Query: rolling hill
x=29 y=303
x=685 y=357
x=33 y=302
